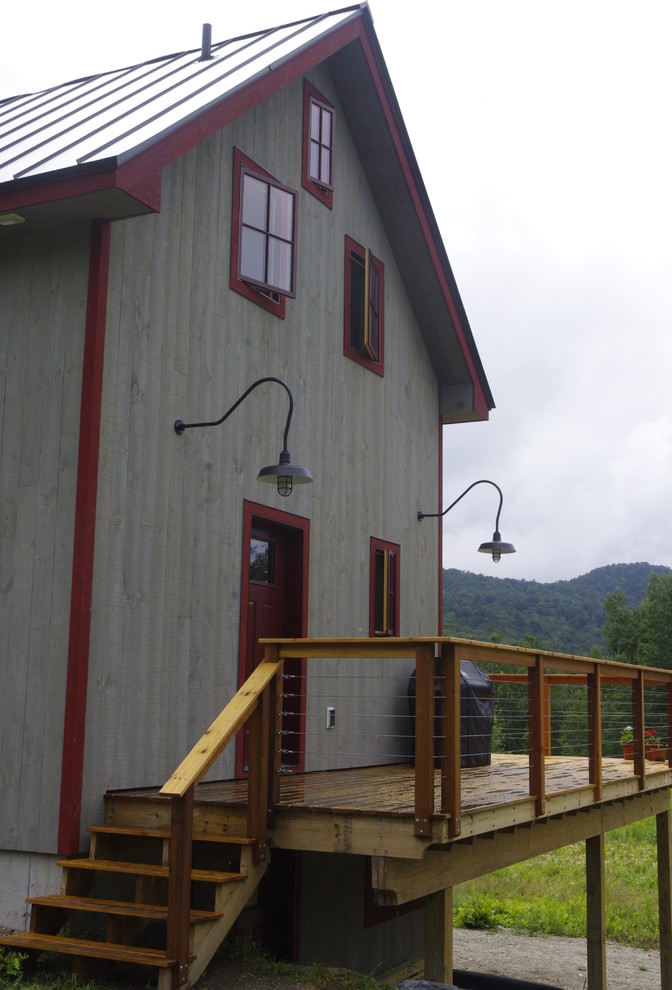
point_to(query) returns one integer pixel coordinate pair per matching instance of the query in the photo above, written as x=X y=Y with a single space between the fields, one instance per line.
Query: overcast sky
x=542 y=130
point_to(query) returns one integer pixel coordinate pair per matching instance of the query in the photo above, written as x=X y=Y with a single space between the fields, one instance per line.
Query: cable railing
x=352 y=706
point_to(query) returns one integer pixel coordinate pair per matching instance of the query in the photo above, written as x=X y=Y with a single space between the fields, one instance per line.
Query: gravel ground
x=560 y=962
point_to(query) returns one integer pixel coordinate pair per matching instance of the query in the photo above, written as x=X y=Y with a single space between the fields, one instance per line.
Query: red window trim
x=373 y=264
x=392 y=588
x=322 y=191
x=275 y=302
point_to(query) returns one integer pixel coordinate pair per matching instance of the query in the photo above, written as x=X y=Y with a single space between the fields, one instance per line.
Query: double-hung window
x=263 y=236
x=384 y=589
x=318 y=145
x=363 y=317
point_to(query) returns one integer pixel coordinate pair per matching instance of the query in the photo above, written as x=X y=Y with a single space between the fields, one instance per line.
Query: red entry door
x=273 y=574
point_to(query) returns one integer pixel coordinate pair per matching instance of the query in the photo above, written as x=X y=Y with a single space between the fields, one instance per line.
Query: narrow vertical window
x=384 y=589
x=364 y=293
x=318 y=145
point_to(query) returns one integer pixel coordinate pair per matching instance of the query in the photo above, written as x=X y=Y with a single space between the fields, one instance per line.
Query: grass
x=547 y=894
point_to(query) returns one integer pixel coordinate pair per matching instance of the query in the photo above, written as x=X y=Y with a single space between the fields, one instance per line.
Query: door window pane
x=262 y=561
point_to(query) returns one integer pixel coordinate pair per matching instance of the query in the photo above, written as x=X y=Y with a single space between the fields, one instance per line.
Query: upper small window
x=318 y=145
x=363 y=318
x=263 y=236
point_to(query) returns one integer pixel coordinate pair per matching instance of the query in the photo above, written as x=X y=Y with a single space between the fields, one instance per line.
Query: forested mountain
x=565 y=616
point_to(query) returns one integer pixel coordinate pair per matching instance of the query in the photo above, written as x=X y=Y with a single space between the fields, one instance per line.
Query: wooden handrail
x=214 y=740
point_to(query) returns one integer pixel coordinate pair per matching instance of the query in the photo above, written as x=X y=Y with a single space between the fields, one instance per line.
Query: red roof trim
x=72 y=769
x=140 y=183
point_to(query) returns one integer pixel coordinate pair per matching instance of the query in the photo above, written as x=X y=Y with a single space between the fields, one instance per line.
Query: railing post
x=451 y=781
x=668 y=699
x=595 y=732
x=536 y=734
x=424 y=751
x=179 y=884
x=547 y=719
x=264 y=760
x=638 y=727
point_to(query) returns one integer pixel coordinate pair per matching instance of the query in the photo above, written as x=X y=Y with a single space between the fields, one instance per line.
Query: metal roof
x=114 y=115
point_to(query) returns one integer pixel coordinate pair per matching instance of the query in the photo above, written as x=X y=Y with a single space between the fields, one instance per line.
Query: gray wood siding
x=43 y=287
x=180 y=343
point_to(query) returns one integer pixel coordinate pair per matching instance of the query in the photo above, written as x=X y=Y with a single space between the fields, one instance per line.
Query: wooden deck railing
x=258 y=702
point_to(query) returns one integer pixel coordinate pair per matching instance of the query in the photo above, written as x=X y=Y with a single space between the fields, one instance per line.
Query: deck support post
x=596 y=929
x=664 y=896
x=439 y=936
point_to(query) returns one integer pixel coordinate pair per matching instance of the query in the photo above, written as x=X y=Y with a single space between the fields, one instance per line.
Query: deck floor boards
x=389 y=789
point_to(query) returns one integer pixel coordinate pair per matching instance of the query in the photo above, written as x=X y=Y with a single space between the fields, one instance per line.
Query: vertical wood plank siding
x=179 y=343
x=43 y=285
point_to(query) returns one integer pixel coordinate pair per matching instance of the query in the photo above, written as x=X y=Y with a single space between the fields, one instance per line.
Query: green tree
x=621 y=630
x=642 y=634
x=656 y=622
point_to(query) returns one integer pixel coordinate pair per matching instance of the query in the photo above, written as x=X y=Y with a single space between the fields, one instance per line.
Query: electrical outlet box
x=331 y=717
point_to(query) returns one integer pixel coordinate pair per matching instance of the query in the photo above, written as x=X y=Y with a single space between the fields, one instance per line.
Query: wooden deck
x=370 y=810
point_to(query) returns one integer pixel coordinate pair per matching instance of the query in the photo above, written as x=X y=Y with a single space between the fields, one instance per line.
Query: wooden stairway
x=116 y=900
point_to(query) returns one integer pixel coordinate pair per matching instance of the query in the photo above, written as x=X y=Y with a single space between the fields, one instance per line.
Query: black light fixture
x=284 y=474
x=495 y=546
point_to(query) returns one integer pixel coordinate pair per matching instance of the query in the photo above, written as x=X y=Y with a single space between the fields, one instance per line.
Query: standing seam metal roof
x=116 y=114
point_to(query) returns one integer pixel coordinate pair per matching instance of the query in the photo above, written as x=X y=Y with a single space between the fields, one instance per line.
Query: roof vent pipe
x=206 y=43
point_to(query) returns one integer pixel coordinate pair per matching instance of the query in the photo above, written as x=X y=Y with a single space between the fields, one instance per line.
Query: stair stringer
x=230 y=900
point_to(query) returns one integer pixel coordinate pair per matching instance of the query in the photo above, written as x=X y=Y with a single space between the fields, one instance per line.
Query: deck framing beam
x=398 y=881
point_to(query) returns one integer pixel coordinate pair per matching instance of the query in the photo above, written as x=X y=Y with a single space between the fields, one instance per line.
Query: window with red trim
x=263 y=236
x=318 y=145
x=363 y=316
x=384 y=588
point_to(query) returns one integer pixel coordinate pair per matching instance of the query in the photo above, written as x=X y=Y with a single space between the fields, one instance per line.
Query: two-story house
x=170 y=234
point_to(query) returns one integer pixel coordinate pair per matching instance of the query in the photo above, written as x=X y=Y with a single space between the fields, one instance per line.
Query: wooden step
x=164 y=833
x=36 y=942
x=146 y=870
x=129 y=909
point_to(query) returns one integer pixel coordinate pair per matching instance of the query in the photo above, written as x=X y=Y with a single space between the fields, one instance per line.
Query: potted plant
x=628 y=743
x=654 y=748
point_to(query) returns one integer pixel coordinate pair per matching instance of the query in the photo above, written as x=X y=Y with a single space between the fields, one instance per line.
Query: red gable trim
x=85 y=531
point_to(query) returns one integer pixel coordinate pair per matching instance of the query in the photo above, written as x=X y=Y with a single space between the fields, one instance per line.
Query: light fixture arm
x=496 y=547
x=483 y=481
x=284 y=475
x=180 y=427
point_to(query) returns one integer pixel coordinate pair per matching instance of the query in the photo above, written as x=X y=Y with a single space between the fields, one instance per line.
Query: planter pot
x=628 y=751
x=658 y=753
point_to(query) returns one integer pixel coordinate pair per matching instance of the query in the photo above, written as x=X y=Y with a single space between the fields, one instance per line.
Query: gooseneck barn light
x=495 y=546
x=284 y=474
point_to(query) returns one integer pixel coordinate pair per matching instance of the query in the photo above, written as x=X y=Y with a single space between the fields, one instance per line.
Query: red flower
x=651 y=733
